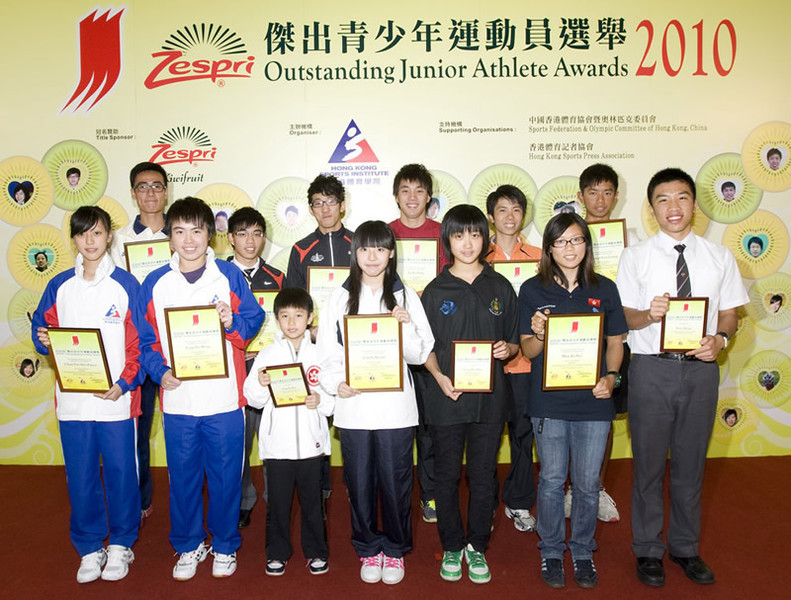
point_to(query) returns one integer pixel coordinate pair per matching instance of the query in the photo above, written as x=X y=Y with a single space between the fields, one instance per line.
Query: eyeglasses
x=243 y=233
x=575 y=241
x=329 y=202
x=154 y=187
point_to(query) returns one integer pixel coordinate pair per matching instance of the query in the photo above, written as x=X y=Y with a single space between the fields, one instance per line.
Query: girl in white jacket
x=293 y=440
x=376 y=428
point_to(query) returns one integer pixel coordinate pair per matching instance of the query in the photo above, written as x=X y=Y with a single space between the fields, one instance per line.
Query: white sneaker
x=118 y=560
x=91 y=566
x=371 y=571
x=607 y=511
x=393 y=570
x=188 y=562
x=567 y=503
x=523 y=520
x=224 y=564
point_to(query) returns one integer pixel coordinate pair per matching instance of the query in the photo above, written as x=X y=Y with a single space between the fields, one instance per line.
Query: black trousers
x=283 y=476
x=519 y=485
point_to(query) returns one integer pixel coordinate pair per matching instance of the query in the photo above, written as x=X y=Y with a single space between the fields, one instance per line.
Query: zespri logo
x=183 y=145
x=353 y=147
x=205 y=51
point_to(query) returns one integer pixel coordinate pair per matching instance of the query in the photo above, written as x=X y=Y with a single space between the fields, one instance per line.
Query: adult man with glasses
x=149 y=183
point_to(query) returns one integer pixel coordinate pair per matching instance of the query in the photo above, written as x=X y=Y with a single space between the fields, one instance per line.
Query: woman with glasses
x=570 y=425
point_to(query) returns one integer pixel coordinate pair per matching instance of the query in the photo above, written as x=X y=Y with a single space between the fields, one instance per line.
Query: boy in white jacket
x=293 y=439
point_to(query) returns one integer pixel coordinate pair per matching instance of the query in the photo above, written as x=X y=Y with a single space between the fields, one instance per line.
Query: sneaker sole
x=393 y=581
x=554 y=584
x=377 y=580
x=429 y=519
x=480 y=579
x=450 y=576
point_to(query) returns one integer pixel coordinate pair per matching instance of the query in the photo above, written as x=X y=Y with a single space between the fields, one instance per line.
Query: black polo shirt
x=569 y=405
x=457 y=311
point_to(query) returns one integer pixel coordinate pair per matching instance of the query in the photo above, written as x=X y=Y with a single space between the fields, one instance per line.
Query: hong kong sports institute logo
x=183 y=145
x=353 y=147
x=100 y=59
x=205 y=51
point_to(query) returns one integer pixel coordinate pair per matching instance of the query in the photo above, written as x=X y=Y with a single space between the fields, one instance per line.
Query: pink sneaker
x=393 y=571
x=371 y=571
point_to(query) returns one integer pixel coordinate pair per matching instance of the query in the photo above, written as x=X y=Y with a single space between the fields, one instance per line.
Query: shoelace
x=189 y=556
x=394 y=563
x=475 y=559
x=370 y=561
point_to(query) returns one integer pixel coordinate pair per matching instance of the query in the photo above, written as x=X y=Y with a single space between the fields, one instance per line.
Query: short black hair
x=776 y=298
x=73 y=171
x=245 y=217
x=146 y=166
x=326 y=185
x=727 y=184
x=414 y=172
x=293 y=297
x=598 y=173
x=191 y=210
x=755 y=240
x=460 y=219
x=42 y=253
x=666 y=176
x=86 y=217
x=511 y=192
x=773 y=151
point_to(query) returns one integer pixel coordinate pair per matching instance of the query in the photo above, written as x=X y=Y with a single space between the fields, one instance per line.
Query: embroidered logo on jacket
x=495 y=307
x=595 y=303
x=313 y=375
x=448 y=307
x=317 y=258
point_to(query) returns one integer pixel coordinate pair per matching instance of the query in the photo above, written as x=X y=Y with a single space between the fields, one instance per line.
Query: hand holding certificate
x=473 y=366
x=197 y=343
x=572 y=351
x=288 y=385
x=79 y=359
x=684 y=324
x=374 y=353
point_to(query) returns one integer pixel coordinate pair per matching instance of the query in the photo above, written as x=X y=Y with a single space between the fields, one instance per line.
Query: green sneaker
x=478 y=570
x=450 y=570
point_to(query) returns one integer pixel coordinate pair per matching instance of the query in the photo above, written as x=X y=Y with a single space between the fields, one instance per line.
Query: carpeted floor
x=746 y=533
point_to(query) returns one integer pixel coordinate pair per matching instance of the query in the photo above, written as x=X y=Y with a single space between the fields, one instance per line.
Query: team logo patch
x=595 y=303
x=448 y=307
x=216 y=299
x=313 y=375
x=113 y=313
x=495 y=307
x=316 y=258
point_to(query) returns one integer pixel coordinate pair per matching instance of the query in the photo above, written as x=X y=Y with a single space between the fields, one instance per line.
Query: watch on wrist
x=617 y=378
x=725 y=339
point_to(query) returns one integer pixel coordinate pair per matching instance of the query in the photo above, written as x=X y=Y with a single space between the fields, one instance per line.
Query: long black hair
x=548 y=269
x=372 y=234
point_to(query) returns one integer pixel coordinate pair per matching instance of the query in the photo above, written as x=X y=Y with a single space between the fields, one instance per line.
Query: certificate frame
x=187 y=366
x=318 y=283
x=87 y=373
x=266 y=334
x=374 y=352
x=288 y=384
x=572 y=351
x=480 y=380
x=415 y=267
x=516 y=271
x=685 y=319
x=157 y=252
x=609 y=240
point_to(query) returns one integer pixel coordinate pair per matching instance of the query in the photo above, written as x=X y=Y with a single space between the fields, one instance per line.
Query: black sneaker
x=585 y=573
x=275 y=568
x=552 y=572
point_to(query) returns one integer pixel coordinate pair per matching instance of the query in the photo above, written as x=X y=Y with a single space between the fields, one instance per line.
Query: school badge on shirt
x=495 y=307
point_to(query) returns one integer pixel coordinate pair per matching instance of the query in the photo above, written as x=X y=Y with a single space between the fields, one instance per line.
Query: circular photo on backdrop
x=26 y=191
x=224 y=199
x=284 y=205
x=724 y=192
x=78 y=172
x=759 y=243
x=556 y=196
x=765 y=155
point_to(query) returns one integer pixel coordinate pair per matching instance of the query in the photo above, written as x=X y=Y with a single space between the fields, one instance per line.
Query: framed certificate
x=609 y=240
x=196 y=339
x=79 y=360
x=473 y=366
x=684 y=324
x=288 y=385
x=374 y=353
x=322 y=281
x=265 y=335
x=144 y=257
x=417 y=261
x=516 y=271
x=572 y=351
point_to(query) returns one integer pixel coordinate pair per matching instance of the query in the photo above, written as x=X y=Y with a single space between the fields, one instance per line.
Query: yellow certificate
x=417 y=261
x=374 y=359
x=322 y=281
x=79 y=360
x=684 y=324
x=197 y=343
x=572 y=351
x=609 y=240
x=287 y=384
x=144 y=257
x=516 y=271
x=473 y=366
x=266 y=335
